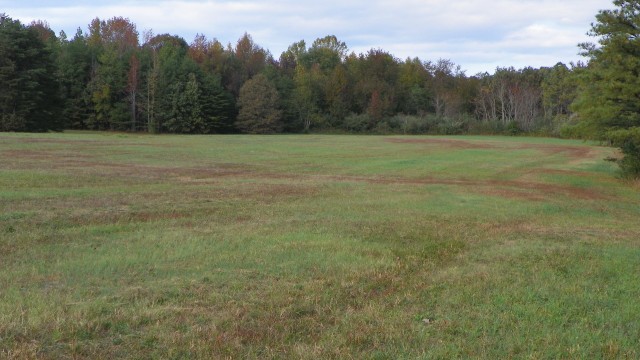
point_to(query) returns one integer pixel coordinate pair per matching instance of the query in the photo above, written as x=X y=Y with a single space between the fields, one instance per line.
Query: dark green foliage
x=186 y=115
x=356 y=122
x=218 y=105
x=607 y=104
x=29 y=99
x=283 y=80
x=513 y=128
x=108 y=93
x=178 y=96
x=377 y=75
x=327 y=53
x=259 y=105
x=108 y=81
x=559 y=90
x=74 y=71
x=167 y=74
x=610 y=85
x=114 y=43
x=199 y=105
x=629 y=142
x=415 y=94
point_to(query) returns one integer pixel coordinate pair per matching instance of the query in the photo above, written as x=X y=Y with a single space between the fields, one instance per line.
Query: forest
x=112 y=77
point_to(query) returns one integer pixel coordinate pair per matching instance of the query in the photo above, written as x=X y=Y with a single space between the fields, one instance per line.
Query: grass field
x=307 y=247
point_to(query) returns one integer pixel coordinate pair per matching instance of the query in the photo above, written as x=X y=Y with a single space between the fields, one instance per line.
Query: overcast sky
x=478 y=35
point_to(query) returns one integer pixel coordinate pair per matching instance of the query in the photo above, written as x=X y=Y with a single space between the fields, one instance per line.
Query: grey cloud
x=478 y=35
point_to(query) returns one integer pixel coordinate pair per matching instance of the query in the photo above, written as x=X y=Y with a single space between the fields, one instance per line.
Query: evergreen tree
x=74 y=71
x=559 y=91
x=217 y=105
x=29 y=98
x=610 y=86
x=165 y=76
x=608 y=104
x=186 y=115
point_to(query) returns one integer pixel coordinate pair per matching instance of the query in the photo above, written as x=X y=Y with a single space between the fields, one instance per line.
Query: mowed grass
x=307 y=247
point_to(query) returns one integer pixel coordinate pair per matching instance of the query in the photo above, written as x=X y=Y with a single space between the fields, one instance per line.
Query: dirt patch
x=527 y=190
x=512 y=193
x=37 y=154
x=560 y=172
x=203 y=174
x=521 y=189
x=551 y=190
x=72 y=142
x=86 y=165
x=449 y=143
x=42 y=159
x=591 y=234
x=24 y=140
x=576 y=152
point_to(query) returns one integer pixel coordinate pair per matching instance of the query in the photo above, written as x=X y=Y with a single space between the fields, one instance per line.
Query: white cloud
x=476 y=34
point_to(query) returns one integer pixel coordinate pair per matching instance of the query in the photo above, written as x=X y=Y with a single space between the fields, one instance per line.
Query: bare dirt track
x=573 y=151
x=449 y=143
x=521 y=188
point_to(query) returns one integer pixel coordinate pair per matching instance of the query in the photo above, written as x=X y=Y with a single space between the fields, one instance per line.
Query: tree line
x=111 y=77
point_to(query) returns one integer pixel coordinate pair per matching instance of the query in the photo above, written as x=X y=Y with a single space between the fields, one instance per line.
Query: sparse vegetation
x=138 y=246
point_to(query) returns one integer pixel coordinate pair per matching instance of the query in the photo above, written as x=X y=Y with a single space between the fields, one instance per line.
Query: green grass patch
x=306 y=247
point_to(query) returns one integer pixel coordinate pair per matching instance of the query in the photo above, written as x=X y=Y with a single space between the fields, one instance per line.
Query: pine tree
x=74 y=70
x=29 y=97
x=608 y=104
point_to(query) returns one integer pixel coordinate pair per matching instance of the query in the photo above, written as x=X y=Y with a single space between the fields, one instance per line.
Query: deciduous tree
x=259 y=105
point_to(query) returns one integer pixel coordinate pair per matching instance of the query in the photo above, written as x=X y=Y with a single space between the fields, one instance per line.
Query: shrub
x=486 y=127
x=628 y=140
x=513 y=128
x=410 y=124
x=383 y=128
x=356 y=122
x=448 y=126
